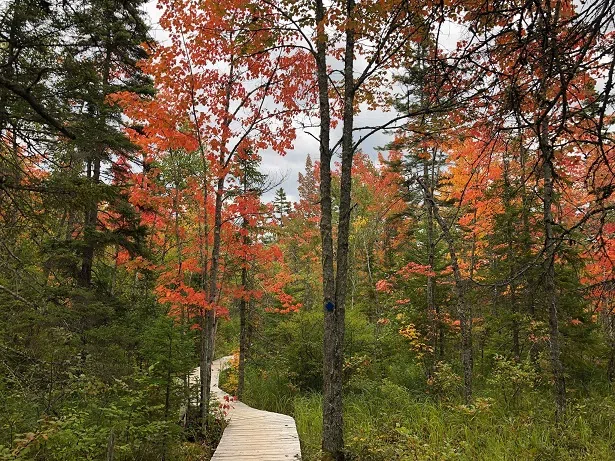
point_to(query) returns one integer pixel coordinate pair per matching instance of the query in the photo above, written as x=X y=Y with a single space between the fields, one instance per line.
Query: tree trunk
x=183 y=319
x=243 y=342
x=208 y=331
x=546 y=150
x=465 y=313
x=526 y=244
x=167 y=394
x=243 y=318
x=208 y=324
x=93 y=176
x=334 y=286
x=611 y=367
x=332 y=435
x=203 y=372
x=333 y=423
x=433 y=311
x=111 y=446
x=510 y=256
x=89 y=225
x=465 y=317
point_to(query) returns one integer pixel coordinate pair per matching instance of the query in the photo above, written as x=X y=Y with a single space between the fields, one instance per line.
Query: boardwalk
x=254 y=434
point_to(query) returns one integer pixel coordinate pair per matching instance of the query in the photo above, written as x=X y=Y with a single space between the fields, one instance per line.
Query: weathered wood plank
x=252 y=434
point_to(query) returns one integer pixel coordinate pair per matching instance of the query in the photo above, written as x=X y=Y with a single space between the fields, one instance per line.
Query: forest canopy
x=446 y=295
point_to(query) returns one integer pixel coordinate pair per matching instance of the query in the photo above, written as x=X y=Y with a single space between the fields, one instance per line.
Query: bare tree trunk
x=546 y=150
x=516 y=345
x=610 y=374
x=609 y=326
x=526 y=243
x=203 y=372
x=111 y=446
x=203 y=388
x=433 y=311
x=510 y=255
x=461 y=286
x=243 y=315
x=333 y=424
x=183 y=319
x=89 y=225
x=332 y=435
x=93 y=176
x=208 y=332
x=208 y=323
x=167 y=394
x=243 y=338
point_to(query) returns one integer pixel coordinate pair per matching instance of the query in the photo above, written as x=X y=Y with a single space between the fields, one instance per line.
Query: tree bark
x=89 y=225
x=243 y=338
x=550 y=287
x=208 y=321
x=510 y=256
x=465 y=312
x=167 y=394
x=333 y=422
x=332 y=435
x=433 y=311
x=111 y=446
x=208 y=330
x=93 y=176
x=526 y=243
x=243 y=313
x=183 y=316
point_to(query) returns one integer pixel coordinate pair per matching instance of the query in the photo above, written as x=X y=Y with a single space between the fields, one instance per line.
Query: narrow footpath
x=253 y=434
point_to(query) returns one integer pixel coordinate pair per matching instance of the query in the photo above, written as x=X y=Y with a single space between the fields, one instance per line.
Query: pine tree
x=281 y=205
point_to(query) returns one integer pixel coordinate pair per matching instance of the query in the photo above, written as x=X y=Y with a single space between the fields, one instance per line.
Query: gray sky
x=290 y=165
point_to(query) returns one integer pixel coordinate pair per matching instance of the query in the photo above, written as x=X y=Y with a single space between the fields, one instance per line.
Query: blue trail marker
x=329 y=306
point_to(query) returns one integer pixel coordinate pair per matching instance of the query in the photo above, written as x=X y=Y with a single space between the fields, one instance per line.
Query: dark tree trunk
x=243 y=340
x=89 y=225
x=203 y=372
x=183 y=320
x=93 y=176
x=332 y=436
x=461 y=288
x=510 y=256
x=208 y=331
x=526 y=244
x=433 y=311
x=209 y=321
x=167 y=394
x=465 y=316
x=110 y=446
x=243 y=318
x=546 y=150
x=333 y=423
x=516 y=345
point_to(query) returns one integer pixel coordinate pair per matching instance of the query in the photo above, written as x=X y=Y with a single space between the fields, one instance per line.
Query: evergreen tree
x=281 y=205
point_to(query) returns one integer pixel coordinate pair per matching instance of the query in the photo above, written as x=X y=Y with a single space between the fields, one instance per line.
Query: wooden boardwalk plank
x=252 y=434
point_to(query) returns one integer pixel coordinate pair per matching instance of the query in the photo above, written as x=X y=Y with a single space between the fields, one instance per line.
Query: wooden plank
x=252 y=434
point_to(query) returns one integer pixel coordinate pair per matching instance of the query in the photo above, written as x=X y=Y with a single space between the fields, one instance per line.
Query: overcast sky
x=289 y=166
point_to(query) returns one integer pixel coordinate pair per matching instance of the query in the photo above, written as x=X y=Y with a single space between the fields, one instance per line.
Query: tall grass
x=381 y=426
x=270 y=391
x=392 y=414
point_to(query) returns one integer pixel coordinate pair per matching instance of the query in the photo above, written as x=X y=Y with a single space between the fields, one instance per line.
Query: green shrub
x=512 y=377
